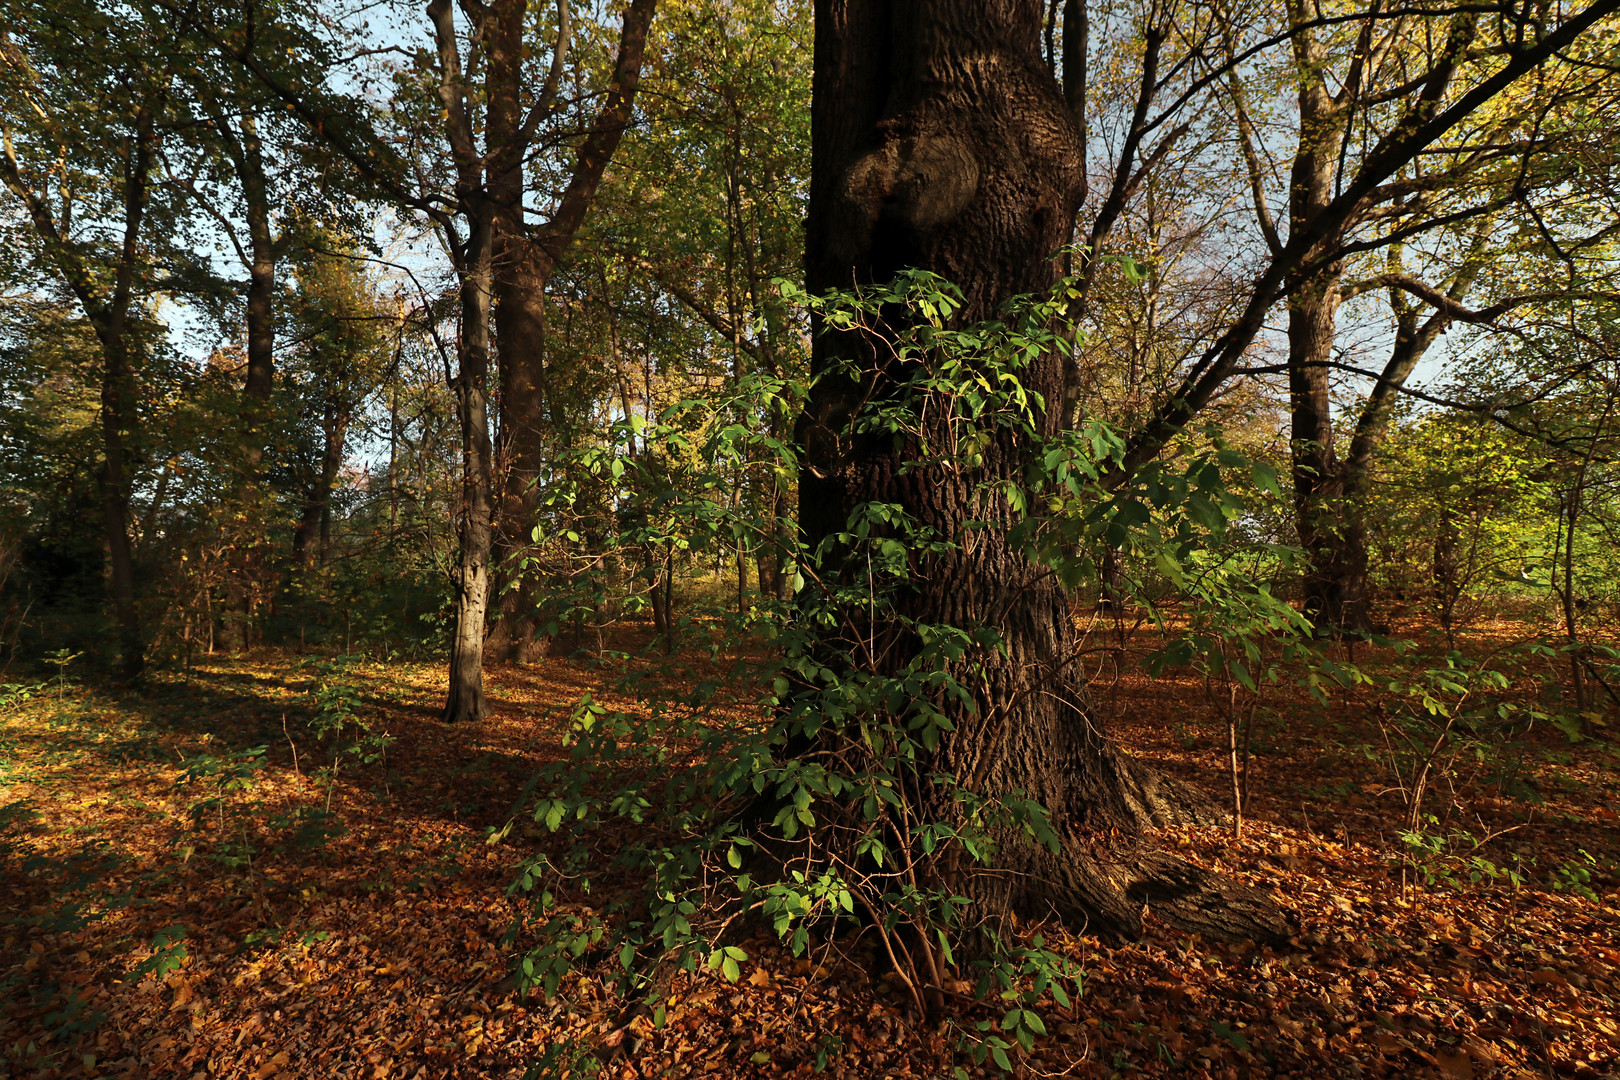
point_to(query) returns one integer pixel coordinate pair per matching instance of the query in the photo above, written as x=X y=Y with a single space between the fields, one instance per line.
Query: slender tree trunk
x=658 y=594
x=117 y=420
x=1110 y=581
x=465 y=700
x=1329 y=493
x=1332 y=535
x=474 y=262
x=525 y=258
x=775 y=563
x=238 y=609
x=1577 y=682
x=1444 y=569
x=393 y=453
x=316 y=520
x=941 y=141
x=261 y=291
x=308 y=527
x=247 y=157
x=519 y=285
x=329 y=474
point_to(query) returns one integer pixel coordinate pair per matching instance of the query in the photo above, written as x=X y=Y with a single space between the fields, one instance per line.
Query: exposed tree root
x=1108 y=874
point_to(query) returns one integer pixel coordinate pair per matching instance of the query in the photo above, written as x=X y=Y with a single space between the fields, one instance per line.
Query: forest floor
x=174 y=904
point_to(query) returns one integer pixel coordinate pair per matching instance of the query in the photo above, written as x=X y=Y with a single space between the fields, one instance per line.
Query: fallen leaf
x=273 y=1066
x=1456 y=1066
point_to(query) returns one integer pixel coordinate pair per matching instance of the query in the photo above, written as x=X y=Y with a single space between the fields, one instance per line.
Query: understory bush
x=786 y=788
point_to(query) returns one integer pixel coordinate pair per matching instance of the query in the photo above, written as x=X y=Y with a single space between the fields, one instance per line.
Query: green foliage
x=220 y=776
x=61 y=660
x=1024 y=977
x=340 y=722
x=1464 y=516
x=13 y=695
x=1452 y=711
x=1575 y=875
x=1456 y=859
x=827 y=1048
x=234 y=826
x=826 y=806
x=167 y=951
x=564 y=1060
x=219 y=783
x=1452 y=858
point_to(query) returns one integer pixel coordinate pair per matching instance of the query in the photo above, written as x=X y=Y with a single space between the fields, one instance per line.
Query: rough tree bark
x=940 y=140
x=464 y=699
x=519 y=285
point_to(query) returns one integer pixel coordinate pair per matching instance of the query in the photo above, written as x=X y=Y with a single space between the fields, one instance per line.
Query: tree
x=342 y=345
x=1362 y=82
x=500 y=264
x=1429 y=118
x=522 y=259
x=241 y=167
x=87 y=101
x=941 y=141
x=702 y=214
x=1459 y=509
x=50 y=444
x=526 y=256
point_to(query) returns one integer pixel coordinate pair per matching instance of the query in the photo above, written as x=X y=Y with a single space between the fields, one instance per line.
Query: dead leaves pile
x=382 y=954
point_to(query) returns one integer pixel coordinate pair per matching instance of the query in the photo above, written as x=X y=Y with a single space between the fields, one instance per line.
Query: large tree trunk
x=941 y=141
x=520 y=332
x=521 y=272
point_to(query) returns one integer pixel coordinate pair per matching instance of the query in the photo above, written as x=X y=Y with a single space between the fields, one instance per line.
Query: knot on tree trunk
x=918 y=181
